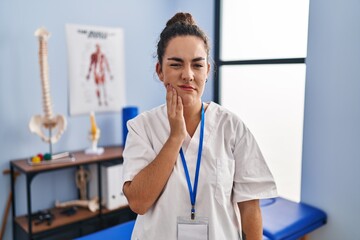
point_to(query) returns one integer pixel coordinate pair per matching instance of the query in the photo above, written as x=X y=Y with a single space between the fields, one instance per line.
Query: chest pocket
x=224 y=180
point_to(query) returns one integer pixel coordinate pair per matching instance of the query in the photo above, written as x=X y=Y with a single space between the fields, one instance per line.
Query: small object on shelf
x=112 y=194
x=60 y=155
x=43 y=216
x=69 y=211
x=47 y=156
x=51 y=159
x=41 y=156
x=94 y=135
x=36 y=159
x=82 y=177
x=92 y=205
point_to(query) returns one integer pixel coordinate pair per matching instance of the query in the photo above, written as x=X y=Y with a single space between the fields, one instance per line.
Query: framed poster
x=96 y=69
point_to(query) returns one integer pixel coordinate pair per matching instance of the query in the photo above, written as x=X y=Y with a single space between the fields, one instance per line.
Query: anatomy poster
x=96 y=69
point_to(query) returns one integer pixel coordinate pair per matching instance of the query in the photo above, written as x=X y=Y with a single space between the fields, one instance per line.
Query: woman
x=189 y=166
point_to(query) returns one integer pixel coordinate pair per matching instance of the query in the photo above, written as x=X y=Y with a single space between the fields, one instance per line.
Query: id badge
x=197 y=229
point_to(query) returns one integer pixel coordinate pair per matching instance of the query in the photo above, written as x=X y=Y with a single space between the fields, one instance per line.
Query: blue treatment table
x=119 y=232
x=287 y=220
x=282 y=220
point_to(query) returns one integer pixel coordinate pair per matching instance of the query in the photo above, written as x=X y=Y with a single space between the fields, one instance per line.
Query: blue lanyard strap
x=191 y=191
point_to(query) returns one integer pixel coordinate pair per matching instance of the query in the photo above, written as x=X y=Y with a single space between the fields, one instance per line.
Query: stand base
x=95 y=151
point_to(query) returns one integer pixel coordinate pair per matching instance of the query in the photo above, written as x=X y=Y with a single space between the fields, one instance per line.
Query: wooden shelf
x=63 y=222
x=110 y=153
x=58 y=221
x=61 y=219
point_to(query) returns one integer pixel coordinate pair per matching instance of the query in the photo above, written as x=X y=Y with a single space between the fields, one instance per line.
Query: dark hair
x=181 y=24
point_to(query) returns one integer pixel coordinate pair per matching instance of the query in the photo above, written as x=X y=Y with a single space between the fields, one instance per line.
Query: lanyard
x=191 y=191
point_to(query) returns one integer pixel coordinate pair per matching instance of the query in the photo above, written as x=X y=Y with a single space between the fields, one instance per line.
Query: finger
x=172 y=102
x=169 y=94
x=174 y=99
x=169 y=101
x=179 y=107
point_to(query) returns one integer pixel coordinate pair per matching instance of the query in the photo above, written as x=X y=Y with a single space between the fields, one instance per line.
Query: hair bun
x=181 y=17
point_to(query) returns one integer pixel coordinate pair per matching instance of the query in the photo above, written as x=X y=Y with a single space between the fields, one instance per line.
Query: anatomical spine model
x=47 y=121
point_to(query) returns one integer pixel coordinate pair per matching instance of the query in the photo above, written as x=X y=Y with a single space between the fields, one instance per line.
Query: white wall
x=331 y=156
x=20 y=89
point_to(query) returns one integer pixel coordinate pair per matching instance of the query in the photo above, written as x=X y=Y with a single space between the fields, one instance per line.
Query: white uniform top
x=232 y=170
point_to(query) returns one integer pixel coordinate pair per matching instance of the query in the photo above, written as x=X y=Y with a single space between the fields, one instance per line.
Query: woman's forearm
x=147 y=185
x=251 y=220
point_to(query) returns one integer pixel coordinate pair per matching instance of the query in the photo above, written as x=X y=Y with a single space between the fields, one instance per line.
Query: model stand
x=94 y=135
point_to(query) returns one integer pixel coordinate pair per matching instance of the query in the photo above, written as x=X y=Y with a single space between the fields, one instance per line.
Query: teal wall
x=20 y=88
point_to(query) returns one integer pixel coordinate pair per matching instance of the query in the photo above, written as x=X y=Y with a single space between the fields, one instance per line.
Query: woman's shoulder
x=220 y=112
x=154 y=112
x=226 y=121
x=149 y=116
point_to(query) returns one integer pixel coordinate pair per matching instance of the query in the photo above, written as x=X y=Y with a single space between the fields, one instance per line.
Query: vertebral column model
x=47 y=121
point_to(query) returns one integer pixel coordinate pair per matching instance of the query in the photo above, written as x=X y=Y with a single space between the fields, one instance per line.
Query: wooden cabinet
x=66 y=227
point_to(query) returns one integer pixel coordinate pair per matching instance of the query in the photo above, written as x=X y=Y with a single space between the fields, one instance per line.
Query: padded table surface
x=282 y=220
x=119 y=232
x=286 y=220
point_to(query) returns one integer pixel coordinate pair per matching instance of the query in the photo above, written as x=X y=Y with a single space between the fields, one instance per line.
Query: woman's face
x=185 y=67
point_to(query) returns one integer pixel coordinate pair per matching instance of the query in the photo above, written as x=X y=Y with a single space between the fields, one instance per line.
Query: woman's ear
x=159 y=72
x=208 y=69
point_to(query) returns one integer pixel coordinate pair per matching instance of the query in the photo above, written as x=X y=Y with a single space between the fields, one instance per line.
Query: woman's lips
x=187 y=87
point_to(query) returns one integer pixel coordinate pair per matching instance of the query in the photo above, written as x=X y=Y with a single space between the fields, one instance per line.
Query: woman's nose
x=187 y=74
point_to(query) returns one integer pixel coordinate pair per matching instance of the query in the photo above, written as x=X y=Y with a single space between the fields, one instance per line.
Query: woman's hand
x=146 y=187
x=175 y=113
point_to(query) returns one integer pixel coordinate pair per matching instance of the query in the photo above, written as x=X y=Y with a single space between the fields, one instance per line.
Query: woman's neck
x=192 y=111
x=192 y=116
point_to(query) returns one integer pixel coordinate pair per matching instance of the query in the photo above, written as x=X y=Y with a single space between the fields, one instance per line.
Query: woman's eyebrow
x=198 y=59
x=181 y=60
x=175 y=59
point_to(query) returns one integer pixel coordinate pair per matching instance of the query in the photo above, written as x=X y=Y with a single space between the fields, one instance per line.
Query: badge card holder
x=188 y=229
